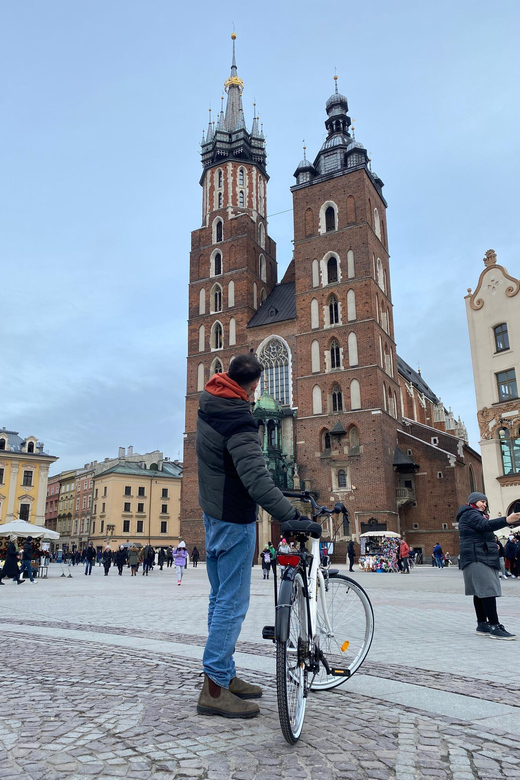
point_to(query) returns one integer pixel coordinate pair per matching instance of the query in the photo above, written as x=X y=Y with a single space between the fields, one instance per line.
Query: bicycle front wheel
x=345 y=628
x=291 y=674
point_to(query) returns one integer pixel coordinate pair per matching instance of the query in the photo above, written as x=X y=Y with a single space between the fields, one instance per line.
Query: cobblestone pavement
x=78 y=704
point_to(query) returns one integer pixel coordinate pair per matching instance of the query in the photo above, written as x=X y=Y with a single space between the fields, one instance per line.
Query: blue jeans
x=26 y=566
x=88 y=567
x=229 y=555
x=440 y=562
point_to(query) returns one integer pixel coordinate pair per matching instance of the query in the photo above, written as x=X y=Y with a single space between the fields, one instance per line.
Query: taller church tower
x=232 y=266
x=346 y=388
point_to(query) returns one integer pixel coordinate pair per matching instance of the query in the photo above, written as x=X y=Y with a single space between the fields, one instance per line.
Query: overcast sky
x=102 y=110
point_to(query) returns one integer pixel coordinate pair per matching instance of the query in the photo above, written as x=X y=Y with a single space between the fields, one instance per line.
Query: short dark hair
x=245 y=369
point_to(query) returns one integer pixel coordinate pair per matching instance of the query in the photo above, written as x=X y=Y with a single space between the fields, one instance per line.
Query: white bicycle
x=324 y=622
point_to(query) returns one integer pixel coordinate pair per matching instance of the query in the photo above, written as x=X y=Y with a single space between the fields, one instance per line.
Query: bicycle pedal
x=268 y=632
x=340 y=672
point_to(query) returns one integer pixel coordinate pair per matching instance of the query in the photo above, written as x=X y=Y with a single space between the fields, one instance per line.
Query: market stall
x=40 y=542
x=379 y=551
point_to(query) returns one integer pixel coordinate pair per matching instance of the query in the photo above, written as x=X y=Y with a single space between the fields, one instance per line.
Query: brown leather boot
x=214 y=700
x=244 y=690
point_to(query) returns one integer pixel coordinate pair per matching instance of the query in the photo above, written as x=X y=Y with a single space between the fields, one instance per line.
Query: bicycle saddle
x=301 y=525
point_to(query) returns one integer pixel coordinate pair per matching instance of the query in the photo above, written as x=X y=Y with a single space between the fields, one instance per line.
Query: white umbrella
x=386 y=534
x=23 y=528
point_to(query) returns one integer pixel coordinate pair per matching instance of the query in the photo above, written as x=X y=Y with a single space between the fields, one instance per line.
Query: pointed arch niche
x=355 y=395
x=317 y=401
x=231 y=294
x=200 y=377
x=315 y=314
x=328 y=219
x=202 y=301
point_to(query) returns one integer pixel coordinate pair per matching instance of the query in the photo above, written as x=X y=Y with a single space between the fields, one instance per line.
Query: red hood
x=224 y=387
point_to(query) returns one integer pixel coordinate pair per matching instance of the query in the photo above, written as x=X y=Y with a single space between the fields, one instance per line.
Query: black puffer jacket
x=477 y=538
x=233 y=477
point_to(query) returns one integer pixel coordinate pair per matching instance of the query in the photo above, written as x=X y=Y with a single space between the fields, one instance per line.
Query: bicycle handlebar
x=307 y=497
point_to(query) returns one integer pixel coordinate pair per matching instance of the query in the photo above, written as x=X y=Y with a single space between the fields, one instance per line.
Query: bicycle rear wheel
x=291 y=675
x=346 y=639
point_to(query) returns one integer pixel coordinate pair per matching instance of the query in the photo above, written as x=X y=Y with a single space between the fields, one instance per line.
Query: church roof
x=278 y=306
x=416 y=379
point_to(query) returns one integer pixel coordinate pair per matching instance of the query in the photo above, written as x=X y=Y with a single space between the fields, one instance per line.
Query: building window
x=263 y=269
x=216 y=298
x=440 y=475
x=24 y=511
x=326 y=442
x=102 y=508
x=333 y=310
x=104 y=491
x=337 y=399
x=335 y=354
x=140 y=491
x=330 y=219
x=77 y=503
x=220 y=200
x=126 y=507
x=102 y=527
x=128 y=490
x=510 y=451
x=140 y=508
x=30 y=447
x=94 y=527
x=274 y=356
x=1 y=476
x=164 y=526
x=96 y=494
x=139 y=526
x=27 y=478
x=332 y=270
x=342 y=478
x=164 y=509
x=217 y=336
x=2 y=444
x=126 y=526
x=164 y=493
x=501 y=337
x=218 y=235
x=506 y=382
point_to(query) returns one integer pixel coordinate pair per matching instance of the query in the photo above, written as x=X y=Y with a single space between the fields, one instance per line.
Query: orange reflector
x=344 y=646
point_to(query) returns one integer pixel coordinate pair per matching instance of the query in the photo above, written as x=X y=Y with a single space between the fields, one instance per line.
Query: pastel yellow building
x=133 y=503
x=24 y=470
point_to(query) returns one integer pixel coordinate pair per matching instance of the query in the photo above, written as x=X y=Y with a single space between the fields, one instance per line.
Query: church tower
x=232 y=265
x=347 y=386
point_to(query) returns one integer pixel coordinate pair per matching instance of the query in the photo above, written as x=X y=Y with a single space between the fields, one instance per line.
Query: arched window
x=241 y=198
x=332 y=270
x=261 y=235
x=309 y=222
x=330 y=219
x=231 y=294
x=325 y=443
x=355 y=395
x=241 y=177
x=389 y=368
x=353 y=437
x=353 y=359
x=202 y=301
x=220 y=200
x=337 y=399
x=216 y=264
x=217 y=367
x=342 y=478
x=216 y=298
x=380 y=275
x=317 y=405
x=220 y=178
x=263 y=268
x=315 y=357
x=30 y=447
x=200 y=377
x=510 y=451
x=232 y=332
x=315 y=273
x=333 y=310
x=351 y=209
x=202 y=338
x=315 y=314
x=377 y=224
x=217 y=336
x=351 y=305
x=335 y=354
x=350 y=264
x=218 y=236
x=2 y=444
x=274 y=356
x=271 y=435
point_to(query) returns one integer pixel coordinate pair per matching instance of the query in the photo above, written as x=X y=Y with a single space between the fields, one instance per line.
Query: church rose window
x=274 y=357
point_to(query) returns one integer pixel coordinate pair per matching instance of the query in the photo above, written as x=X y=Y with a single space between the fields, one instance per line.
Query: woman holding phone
x=480 y=564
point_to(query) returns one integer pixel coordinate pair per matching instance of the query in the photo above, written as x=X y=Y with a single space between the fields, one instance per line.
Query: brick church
x=338 y=411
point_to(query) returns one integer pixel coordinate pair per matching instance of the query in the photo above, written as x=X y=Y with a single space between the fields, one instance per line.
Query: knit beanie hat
x=474 y=497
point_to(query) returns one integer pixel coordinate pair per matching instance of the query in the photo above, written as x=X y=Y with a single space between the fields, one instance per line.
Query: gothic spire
x=234 y=87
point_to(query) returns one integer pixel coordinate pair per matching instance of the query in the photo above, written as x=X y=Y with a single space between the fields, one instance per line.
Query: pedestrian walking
x=10 y=568
x=438 y=555
x=161 y=558
x=511 y=553
x=90 y=556
x=180 y=556
x=133 y=559
x=169 y=557
x=266 y=562
x=273 y=558
x=501 y=560
x=404 y=554
x=121 y=558
x=107 y=559
x=479 y=561
x=351 y=554
x=27 y=557
x=148 y=555
x=195 y=557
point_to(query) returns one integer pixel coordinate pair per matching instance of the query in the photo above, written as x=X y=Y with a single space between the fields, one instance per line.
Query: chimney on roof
x=121 y=452
x=130 y=451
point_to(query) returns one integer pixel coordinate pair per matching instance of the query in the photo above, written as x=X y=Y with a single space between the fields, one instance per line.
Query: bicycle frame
x=311 y=577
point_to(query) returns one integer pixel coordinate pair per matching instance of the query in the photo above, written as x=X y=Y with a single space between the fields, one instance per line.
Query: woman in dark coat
x=480 y=563
x=195 y=555
x=107 y=560
x=10 y=568
x=121 y=558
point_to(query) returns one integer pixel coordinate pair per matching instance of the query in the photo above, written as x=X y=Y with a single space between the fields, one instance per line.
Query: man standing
x=351 y=553
x=438 y=555
x=90 y=556
x=233 y=479
x=404 y=553
x=27 y=558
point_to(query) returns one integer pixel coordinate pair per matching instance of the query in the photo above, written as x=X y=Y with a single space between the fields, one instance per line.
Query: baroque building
x=493 y=312
x=337 y=409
